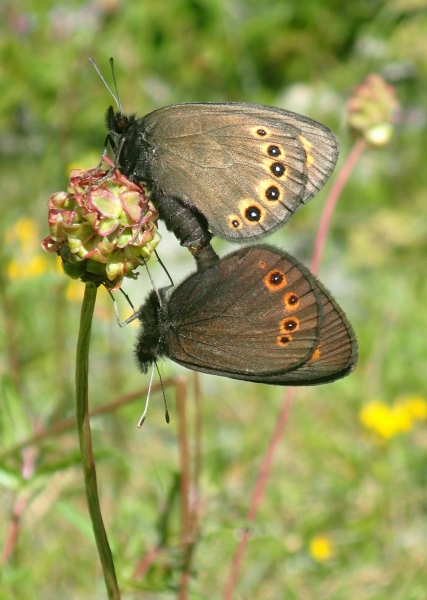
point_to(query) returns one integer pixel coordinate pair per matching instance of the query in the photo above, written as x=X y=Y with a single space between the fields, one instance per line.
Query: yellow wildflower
x=26 y=261
x=320 y=548
x=75 y=291
x=25 y=232
x=25 y=269
x=416 y=405
x=388 y=421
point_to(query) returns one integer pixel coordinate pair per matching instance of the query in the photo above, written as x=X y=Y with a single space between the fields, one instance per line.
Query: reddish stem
x=29 y=457
x=334 y=194
x=189 y=483
x=198 y=424
x=258 y=492
x=186 y=516
x=13 y=533
x=181 y=398
x=145 y=563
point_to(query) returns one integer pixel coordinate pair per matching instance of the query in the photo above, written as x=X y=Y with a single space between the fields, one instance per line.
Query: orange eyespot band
x=275 y=280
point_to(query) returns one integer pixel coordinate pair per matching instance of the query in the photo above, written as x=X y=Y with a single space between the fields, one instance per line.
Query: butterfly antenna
x=119 y=104
x=163 y=267
x=144 y=414
x=116 y=97
x=164 y=396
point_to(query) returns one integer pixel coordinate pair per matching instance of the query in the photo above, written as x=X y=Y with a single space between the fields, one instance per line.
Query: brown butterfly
x=235 y=170
x=258 y=315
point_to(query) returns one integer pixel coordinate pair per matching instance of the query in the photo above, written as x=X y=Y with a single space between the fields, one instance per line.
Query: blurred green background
x=344 y=516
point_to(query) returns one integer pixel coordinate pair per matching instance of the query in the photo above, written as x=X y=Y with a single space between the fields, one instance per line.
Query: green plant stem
x=85 y=439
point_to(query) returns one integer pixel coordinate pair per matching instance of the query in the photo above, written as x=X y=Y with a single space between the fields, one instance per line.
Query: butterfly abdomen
x=189 y=226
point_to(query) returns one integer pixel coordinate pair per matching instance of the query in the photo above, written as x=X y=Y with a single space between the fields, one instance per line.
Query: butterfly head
x=123 y=136
x=118 y=123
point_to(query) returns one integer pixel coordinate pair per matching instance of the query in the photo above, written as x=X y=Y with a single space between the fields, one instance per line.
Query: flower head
x=320 y=548
x=102 y=227
x=416 y=406
x=388 y=421
x=372 y=109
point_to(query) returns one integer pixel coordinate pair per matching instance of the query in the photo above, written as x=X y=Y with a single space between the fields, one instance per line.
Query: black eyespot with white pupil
x=235 y=223
x=276 y=278
x=274 y=151
x=292 y=299
x=272 y=193
x=277 y=169
x=261 y=132
x=290 y=325
x=253 y=213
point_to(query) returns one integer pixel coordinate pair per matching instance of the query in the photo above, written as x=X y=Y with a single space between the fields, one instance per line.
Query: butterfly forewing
x=336 y=353
x=247 y=168
x=254 y=313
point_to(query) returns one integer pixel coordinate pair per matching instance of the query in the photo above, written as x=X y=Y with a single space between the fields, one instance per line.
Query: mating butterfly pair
x=238 y=171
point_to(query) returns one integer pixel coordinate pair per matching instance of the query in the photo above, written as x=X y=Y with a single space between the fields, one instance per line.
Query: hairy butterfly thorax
x=128 y=145
x=151 y=316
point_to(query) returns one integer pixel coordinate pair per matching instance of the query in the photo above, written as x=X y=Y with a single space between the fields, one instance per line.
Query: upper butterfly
x=236 y=170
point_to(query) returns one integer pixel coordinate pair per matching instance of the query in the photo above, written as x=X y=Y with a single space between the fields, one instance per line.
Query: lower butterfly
x=258 y=314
